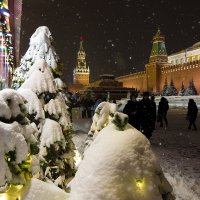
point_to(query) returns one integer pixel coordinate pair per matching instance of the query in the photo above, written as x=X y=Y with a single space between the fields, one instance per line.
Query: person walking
x=145 y=115
x=163 y=107
x=192 y=114
x=132 y=110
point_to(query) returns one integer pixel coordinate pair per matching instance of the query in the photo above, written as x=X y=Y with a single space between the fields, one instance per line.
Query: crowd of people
x=86 y=103
x=142 y=114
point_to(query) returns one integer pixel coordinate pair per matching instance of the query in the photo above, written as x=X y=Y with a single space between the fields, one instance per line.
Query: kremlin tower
x=158 y=59
x=81 y=73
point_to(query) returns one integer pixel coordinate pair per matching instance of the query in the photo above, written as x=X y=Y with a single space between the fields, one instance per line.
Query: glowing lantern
x=139 y=183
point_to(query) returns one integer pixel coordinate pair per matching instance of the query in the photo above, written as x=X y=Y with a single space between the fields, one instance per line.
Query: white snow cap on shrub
x=53 y=107
x=11 y=104
x=64 y=120
x=33 y=104
x=40 y=79
x=51 y=133
x=119 y=165
x=58 y=109
x=103 y=116
x=59 y=84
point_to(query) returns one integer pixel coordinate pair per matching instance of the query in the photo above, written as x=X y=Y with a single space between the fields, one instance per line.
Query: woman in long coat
x=192 y=113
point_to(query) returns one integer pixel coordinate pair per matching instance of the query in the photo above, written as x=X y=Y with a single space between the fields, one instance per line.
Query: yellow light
x=3 y=196
x=5 y=188
x=105 y=125
x=139 y=183
x=110 y=117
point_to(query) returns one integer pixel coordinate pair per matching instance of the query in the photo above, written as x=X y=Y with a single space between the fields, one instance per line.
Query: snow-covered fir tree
x=171 y=90
x=191 y=90
x=41 y=47
x=165 y=87
x=18 y=143
x=47 y=109
x=182 y=90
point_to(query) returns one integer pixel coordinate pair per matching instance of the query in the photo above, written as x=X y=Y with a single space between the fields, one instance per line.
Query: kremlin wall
x=183 y=66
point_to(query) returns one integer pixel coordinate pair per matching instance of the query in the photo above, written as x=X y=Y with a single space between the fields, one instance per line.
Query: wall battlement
x=180 y=67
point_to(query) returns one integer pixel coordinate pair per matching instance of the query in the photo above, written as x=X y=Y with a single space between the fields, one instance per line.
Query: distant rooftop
x=193 y=47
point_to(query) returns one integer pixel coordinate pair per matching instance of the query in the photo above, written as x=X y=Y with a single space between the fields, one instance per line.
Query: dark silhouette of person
x=132 y=110
x=153 y=111
x=83 y=105
x=192 y=113
x=145 y=115
x=88 y=105
x=163 y=107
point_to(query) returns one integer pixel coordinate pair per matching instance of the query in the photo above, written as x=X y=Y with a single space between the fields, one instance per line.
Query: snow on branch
x=11 y=104
x=33 y=104
x=40 y=79
x=53 y=107
x=51 y=134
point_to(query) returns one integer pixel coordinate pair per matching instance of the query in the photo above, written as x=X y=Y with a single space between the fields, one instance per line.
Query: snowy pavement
x=177 y=150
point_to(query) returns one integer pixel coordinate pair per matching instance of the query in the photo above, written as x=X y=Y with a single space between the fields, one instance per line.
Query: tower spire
x=81 y=43
x=158 y=52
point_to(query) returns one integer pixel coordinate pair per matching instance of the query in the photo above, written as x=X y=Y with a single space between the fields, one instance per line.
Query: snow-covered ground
x=174 y=101
x=177 y=149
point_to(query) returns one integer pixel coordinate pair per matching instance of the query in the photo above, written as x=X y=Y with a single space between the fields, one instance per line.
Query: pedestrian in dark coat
x=163 y=107
x=145 y=116
x=88 y=105
x=192 y=113
x=153 y=111
x=132 y=110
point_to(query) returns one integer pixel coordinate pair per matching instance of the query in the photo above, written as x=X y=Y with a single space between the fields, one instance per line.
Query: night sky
x=117 y=33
